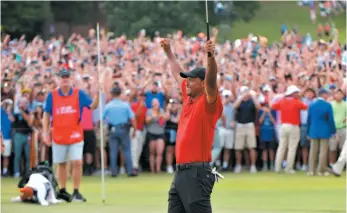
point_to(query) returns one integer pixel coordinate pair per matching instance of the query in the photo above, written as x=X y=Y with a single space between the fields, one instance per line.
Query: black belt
x=193 y=165
x=121 y=126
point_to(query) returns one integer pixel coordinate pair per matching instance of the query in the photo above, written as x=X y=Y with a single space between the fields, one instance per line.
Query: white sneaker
x=122 y=170
x=323 y=173
x=310 y=173
x=291 y=172
x=238 y=169
x=253 y=169
x=17 y=175
x=304 y=168
x=169 y=170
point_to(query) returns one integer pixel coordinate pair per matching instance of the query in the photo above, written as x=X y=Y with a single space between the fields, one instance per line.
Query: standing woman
x=156 y=119
x=37 y=117
x=174 y=109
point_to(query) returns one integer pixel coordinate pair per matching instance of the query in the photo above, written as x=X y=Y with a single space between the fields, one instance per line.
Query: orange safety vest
x=66 y=128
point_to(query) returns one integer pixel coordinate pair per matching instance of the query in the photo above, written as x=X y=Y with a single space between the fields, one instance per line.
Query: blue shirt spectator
x=83 y=99
x=5 y=125
x=267 y=128
x=117 y=112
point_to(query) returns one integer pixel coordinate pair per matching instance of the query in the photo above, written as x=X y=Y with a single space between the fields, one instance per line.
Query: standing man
x=304 y=141
x=246 y=107
x=22 y=129
x=6 y=122
x=140 y=110
x=338 y=167
x=227 y=130
x=118 y=114
x=65 y=105
x=202 y=106
x=321 y=126
x=339 y=110
x=289 y=107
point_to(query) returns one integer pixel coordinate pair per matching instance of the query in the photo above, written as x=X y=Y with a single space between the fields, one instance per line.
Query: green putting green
x=272 y=14
x=242 y=193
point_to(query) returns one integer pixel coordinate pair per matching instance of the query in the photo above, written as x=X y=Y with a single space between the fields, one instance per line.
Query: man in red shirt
x=289 y=107
x=202 y=106
x=140 y=110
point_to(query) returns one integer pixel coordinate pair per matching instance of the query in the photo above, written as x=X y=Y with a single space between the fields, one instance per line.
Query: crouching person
x=38 y=190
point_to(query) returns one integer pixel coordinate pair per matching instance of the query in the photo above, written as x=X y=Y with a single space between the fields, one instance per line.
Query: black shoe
x=331 y=171
x=63 y=195
x=114 y=175
x=77 y=197
x=133 y=175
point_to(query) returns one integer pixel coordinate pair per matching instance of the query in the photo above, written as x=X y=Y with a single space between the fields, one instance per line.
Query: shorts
x=334 y=144
x=263 y=145
x=227 y=138
x=245 y=136
x=153 y=137
x=62 y=153
x=89 y=142
x=105 y=137
x=8 y=148
x=170 y=135
x=304 y=142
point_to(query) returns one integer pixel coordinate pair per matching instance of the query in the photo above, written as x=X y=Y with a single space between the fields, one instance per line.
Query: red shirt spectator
x=140 y=110
x=290 y=107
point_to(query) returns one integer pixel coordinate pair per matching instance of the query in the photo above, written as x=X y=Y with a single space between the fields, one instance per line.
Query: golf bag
x=44 y=169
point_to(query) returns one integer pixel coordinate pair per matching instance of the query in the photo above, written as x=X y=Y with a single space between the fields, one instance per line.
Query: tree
x=167 y=16
x=22 y=17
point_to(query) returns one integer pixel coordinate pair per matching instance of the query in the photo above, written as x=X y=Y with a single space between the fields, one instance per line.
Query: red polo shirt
x=290 y=110
x=141 y=118
x=196 y=128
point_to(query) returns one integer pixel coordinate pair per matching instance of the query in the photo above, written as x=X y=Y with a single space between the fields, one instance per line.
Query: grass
x=271 y=15
x=242 y=193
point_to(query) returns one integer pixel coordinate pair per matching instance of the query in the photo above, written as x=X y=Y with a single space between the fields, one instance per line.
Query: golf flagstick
x=101 y=121
x=207 y=26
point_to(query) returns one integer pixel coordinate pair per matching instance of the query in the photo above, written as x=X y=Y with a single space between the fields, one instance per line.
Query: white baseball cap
x=244 y=89
x=292 y=89
x=226 y=93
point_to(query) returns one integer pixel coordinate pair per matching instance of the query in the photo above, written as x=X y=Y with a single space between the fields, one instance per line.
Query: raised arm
x=174 y=65
x=211 y=74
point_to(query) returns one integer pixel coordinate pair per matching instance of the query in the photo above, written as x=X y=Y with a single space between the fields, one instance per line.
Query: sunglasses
x=65 y=76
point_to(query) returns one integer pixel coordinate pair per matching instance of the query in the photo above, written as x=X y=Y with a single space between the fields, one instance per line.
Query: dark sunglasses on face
x=65 y=76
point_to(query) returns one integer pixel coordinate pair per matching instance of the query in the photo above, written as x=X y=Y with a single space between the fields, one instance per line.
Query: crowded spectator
x=155 y=119
x=140 y=111
x=6 y=122
x=267 y=136
x=321 y=127
x=227 y=128
x=246 y=108
x=340 y=115
x=252 y=63
x=289 y=107
x=174 y=108
x=22 y=128
x=118 y=115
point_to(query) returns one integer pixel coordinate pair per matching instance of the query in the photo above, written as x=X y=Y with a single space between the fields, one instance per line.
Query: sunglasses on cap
x=65 y=76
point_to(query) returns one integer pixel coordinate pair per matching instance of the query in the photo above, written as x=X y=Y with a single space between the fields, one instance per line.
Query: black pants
x=191 y=190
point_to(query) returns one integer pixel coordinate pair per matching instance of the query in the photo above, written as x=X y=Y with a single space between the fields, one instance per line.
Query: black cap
x=64 y=72
x=197 y=72
x=116 y=90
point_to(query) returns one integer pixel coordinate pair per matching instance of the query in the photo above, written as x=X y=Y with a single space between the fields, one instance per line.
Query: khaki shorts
x=245 y=136
x=98 y=140
x=334 y=144
x=227 y=137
